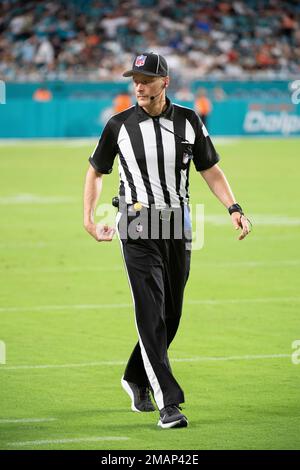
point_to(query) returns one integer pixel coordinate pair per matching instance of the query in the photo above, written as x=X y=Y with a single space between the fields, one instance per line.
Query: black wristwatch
x=235 y=208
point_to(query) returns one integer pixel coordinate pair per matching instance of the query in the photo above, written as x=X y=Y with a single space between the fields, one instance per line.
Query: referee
x=155 y=142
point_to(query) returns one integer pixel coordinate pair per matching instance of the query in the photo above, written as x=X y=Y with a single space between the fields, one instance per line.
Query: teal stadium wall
x=81 y=109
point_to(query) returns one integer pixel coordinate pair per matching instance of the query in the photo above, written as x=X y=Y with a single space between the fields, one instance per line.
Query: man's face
x=145 y=86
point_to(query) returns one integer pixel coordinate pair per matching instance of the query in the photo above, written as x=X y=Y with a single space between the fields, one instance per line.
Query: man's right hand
x=101 y=233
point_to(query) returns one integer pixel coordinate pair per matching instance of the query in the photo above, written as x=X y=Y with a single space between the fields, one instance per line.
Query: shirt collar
x=167 y=114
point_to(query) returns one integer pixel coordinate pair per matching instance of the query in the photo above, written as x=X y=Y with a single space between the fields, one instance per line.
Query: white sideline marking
x=66 y=441
x=26 y=420
x=41 y=308
x=118 y=363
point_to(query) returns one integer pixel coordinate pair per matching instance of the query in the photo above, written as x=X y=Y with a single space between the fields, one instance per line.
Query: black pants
x=158 y=271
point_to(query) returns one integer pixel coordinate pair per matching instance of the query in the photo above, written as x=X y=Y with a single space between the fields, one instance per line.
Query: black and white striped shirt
x=150 y=158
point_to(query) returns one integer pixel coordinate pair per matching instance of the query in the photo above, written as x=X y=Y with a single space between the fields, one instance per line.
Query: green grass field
x=65 y=305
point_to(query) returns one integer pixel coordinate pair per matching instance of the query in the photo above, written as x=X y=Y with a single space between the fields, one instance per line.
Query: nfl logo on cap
x=140 y=60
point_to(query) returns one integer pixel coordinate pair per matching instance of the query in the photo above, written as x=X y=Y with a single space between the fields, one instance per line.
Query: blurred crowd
x=96 y=39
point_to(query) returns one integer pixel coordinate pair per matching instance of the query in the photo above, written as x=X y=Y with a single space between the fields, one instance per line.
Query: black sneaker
x=171 y=417
x=140 y=396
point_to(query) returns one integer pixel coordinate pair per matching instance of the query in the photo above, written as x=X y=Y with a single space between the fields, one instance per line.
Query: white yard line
x=231 y=358
x=17 y=199
x=248 y=264
x=243 y=301
x=57 y=141
x=26 y=420
x=71 y=269
x=19 y=244
x=64 y=366
x=60 y=141
x=42 y=442
x=121 y=363
x=41 y=308
x=256 y=219
x=117 y=267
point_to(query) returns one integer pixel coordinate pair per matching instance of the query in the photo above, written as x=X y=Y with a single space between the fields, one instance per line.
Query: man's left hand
x=241 y=222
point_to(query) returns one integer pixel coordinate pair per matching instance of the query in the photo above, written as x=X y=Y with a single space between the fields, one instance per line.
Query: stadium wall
x=81 y=109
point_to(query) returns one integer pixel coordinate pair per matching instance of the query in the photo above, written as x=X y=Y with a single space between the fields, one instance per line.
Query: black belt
x=136 y=208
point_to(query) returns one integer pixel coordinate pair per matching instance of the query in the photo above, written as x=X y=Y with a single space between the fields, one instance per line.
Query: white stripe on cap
x=204 y=130
x=157 y=63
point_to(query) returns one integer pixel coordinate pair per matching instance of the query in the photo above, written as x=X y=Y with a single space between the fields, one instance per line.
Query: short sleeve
x=104 y=154
x=204 y=152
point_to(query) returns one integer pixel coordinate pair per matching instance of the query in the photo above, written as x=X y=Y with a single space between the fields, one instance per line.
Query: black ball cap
x=149 y=63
